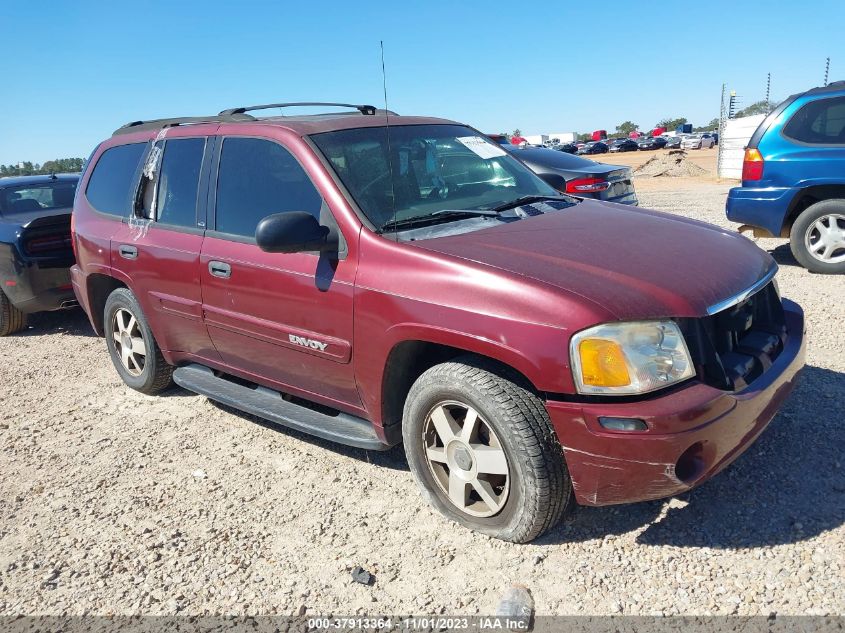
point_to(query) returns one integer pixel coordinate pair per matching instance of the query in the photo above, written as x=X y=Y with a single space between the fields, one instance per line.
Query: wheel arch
x=99 y=287
x=408 y=359
x=807 y=197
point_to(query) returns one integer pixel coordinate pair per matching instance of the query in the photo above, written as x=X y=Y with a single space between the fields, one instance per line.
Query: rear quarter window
x=819 y=122
x=113 y=178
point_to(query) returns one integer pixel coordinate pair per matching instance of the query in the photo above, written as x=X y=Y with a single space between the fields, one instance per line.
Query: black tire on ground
x=153 y=374
x=539 y=489
x=804 y=225
x=11 y=319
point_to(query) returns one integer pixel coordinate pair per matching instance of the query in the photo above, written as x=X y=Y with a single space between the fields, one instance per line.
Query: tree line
x=57 y=166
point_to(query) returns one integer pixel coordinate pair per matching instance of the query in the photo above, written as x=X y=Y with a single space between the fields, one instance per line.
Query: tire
x=518 y=506
x=142 y=367
x=11 y=319
x=811 y=229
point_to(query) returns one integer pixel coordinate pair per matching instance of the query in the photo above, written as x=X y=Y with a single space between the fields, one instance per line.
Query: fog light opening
x=690 y=465
x=623 y=424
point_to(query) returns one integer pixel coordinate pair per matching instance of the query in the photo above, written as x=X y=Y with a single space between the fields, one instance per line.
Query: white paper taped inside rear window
x=483 y=148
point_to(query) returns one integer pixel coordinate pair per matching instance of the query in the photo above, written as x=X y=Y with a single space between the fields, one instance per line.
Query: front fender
x=537 y=351
x=481 y=345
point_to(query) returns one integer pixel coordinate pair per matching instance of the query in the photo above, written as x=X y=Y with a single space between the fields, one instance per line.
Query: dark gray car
x=578 y=176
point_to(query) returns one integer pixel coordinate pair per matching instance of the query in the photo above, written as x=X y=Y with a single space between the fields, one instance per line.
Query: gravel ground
x=117 y=503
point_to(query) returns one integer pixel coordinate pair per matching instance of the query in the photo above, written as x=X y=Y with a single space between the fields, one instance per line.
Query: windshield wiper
x=478 y=212
x=525 y=200
x=444 y=215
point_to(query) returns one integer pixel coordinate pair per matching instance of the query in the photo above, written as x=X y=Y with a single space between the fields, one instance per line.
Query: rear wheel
x=133 y=350
x=482 y=449
x=817 y=238
x=11 y=319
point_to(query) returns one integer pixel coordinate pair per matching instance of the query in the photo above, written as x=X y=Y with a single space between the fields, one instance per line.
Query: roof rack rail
x=830 y=87
x=366 y=110
x=157 y=124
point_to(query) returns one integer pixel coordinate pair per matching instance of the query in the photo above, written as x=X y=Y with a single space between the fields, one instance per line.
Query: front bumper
x=763 y=207
x=693 y=433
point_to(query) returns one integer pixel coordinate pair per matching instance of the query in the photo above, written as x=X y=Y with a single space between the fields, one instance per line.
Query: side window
x=109 y=186
x=258 y=178
x=178 y=182
x=820 y=122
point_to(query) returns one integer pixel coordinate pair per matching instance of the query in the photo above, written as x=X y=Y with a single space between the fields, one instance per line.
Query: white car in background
x=698 y=141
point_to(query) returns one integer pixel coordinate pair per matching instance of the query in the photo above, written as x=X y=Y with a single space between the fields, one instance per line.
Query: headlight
x=629 y=358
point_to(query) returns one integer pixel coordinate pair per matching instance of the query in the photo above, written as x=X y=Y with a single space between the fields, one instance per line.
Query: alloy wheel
x=466 y=458
x=129 y=341
x=825 y=238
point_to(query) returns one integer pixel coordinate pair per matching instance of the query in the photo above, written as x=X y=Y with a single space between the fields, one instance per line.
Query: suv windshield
x=431 y=169
x=41 y=196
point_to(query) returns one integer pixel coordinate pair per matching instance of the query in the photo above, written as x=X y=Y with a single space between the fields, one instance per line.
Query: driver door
x=283 y=319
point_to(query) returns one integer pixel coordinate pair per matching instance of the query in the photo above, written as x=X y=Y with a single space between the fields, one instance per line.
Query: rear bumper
x=765 y=208
x=693 y=433
x=37 y=288
x=628 y=198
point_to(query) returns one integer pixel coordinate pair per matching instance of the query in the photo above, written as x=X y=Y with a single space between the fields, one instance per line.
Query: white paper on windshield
x=483 y=148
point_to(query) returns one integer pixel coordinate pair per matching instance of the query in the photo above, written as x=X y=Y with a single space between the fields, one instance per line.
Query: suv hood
x=634 y=263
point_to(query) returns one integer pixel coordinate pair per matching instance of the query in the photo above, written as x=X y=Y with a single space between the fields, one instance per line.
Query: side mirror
x=293 y=232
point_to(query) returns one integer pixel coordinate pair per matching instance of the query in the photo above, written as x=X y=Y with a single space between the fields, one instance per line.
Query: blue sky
x=74 y=71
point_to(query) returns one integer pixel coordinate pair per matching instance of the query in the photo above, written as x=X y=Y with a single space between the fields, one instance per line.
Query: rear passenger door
x=279 y=318
x=158 y=249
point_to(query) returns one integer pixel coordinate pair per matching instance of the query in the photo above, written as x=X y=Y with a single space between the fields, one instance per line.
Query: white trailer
x=732 y=142
x=537 y=139
x=563 y=137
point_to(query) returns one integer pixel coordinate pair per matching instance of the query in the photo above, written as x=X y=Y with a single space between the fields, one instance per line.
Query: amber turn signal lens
x=603 y=363
x=752 y=165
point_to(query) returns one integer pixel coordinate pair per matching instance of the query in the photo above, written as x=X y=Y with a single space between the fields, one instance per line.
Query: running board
x=270 y=405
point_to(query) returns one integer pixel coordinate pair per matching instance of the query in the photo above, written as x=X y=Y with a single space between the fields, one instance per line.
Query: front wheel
x=817 y=239
x=482 y=449
x=133 y=350
x=11 y=319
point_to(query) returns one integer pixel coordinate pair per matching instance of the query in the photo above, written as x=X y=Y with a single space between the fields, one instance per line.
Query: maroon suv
x=376 y=279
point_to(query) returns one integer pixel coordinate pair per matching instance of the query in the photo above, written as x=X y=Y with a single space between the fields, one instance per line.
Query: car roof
x=359 y=116
x=550 y=157
x=13 y=181
x=833 y=86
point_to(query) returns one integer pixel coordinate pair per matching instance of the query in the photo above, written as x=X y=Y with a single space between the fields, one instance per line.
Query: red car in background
x=419 y=284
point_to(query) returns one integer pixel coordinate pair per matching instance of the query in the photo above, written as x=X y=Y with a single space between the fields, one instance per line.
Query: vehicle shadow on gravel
x=788 y=487
x=72 y=322
x=783 y=256
x=393 y=459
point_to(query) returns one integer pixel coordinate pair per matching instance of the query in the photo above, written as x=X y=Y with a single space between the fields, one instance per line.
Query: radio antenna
x=387 y=133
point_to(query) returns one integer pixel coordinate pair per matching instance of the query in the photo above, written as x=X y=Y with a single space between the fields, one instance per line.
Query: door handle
x=128 y=252
x=220 y=269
